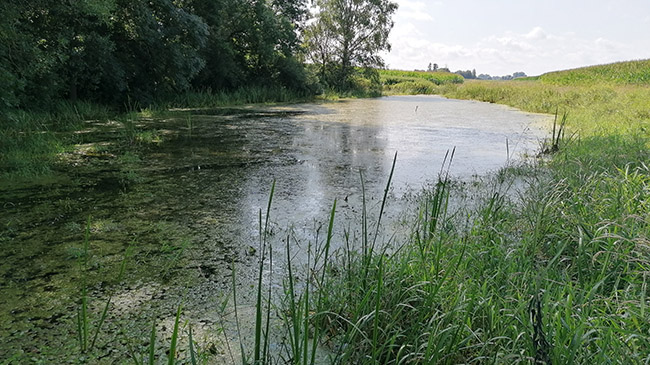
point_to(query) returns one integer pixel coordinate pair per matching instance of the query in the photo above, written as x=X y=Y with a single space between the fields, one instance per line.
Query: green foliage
x=123 y=52
x=346 y=35
x=620 y=73
x=416 y=82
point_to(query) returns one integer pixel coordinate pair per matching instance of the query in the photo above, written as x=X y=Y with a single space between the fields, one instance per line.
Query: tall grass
x=245 y=95
x=559 y=277
x=619 y=73
x=416 y=82
x=31 y=140
x=593 y=110
x=87 y=343
x=301 y=310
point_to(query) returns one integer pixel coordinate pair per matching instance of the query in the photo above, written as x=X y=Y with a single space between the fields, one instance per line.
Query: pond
x=189 y=199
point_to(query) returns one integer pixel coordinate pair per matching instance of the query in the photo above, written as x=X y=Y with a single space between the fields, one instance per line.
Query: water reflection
x=326 y=146
x=210 y=178
x=315 y=153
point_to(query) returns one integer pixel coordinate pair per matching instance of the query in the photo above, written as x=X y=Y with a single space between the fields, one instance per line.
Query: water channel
x=189 y=204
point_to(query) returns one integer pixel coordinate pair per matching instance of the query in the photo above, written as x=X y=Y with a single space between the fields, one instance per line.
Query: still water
x=319 y=152
x=189 y=205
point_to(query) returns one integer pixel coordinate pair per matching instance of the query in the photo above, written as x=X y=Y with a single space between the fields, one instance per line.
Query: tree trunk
x=73 y=88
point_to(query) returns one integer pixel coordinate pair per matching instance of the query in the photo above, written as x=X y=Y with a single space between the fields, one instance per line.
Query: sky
x=499 y=37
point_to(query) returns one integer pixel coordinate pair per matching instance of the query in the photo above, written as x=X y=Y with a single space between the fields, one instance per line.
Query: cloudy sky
x=499 y=37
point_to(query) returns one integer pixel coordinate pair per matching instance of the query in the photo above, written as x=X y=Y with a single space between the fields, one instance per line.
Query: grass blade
x=172 y=346
x=152 y=344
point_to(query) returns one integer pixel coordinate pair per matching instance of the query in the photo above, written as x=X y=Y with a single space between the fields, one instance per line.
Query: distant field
x=631 y=72
x=416 y=82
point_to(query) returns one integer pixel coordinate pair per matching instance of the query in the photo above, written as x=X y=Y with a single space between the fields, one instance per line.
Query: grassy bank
x=557 y=275
x=416 y=82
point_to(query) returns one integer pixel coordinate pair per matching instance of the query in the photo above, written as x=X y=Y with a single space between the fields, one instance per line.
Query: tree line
x=111 y=51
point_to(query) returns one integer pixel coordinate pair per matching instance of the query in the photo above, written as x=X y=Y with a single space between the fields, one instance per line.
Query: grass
x=246 y=95
x=416 y=82
x=592 y=110
x=619 y=73
x=30 y=141
x=558 y=277
x=558 y=274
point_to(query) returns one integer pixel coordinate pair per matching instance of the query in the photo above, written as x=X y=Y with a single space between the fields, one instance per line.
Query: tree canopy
x=110 y=51
x=349 y=34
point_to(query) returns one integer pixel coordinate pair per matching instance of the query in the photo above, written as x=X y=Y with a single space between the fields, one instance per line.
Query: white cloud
x=416 y=15
x=414 y=10
x=536 y=33
x=534 y=52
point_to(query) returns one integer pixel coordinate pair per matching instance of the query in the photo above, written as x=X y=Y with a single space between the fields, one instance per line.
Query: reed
x=86 y=339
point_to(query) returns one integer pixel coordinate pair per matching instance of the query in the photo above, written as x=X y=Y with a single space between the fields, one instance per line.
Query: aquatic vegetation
x=87 y=343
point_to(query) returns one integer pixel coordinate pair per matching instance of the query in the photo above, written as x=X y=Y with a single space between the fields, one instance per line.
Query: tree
x=349 y=34
x=110 y=51
x=252 y=42
x=157 y=45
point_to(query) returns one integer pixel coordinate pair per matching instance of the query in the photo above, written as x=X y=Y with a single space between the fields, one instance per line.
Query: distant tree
x=349 y=34
x=518 y=74
x=443 y=69
x=430 y=68
x=435 y=67
x=467 y=74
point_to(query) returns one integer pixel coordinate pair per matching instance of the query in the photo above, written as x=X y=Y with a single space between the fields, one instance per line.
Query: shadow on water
x=189 y=206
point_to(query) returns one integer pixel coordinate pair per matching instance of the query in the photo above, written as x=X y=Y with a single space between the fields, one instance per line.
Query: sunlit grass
x=619 y=73
x=416 y=82
x=592 y=110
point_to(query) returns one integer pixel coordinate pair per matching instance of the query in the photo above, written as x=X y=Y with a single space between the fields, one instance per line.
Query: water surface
x=189 y=205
